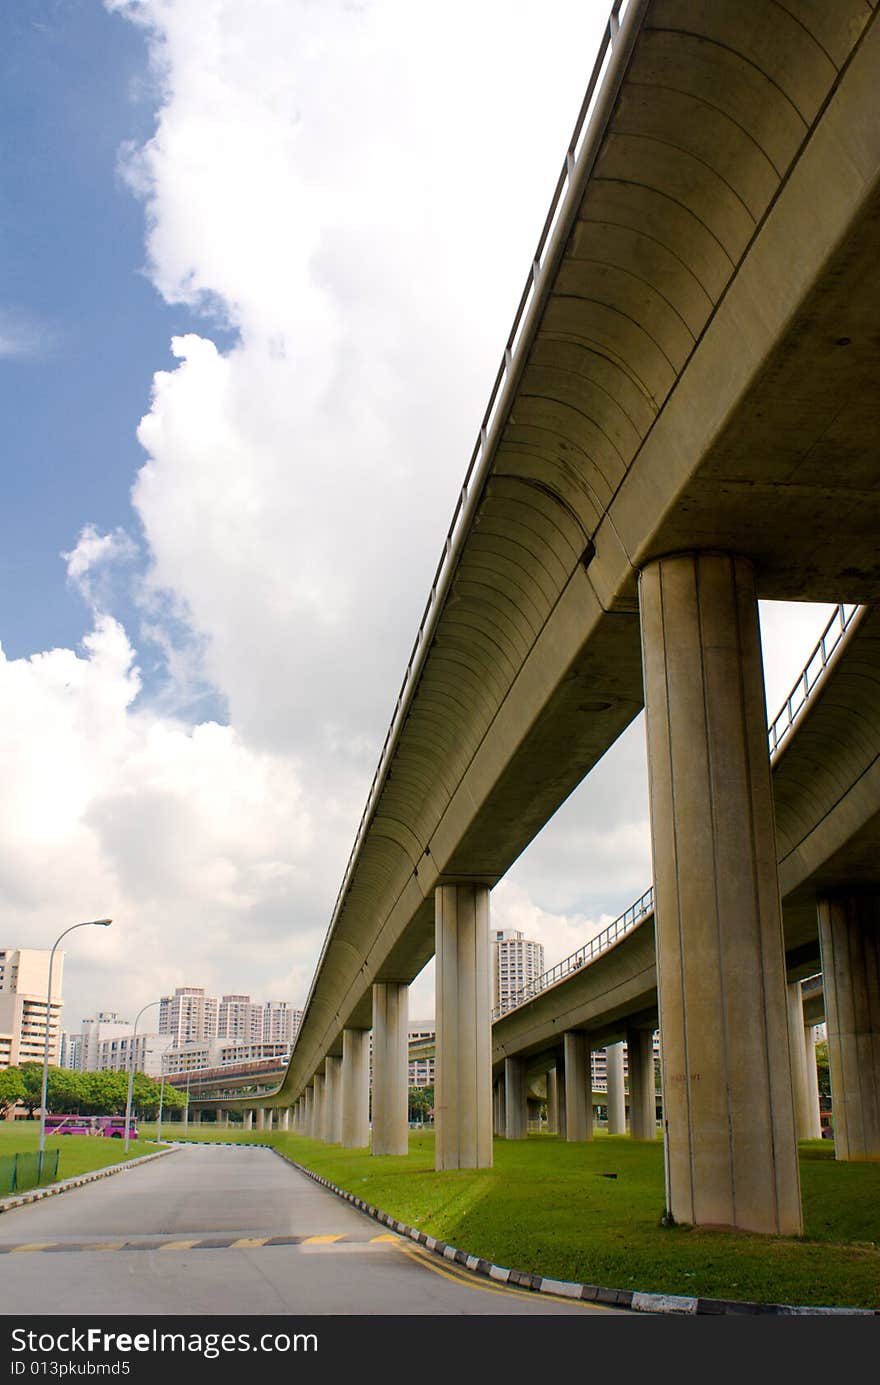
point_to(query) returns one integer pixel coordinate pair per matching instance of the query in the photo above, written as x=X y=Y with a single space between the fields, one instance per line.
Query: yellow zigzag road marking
x=320 y=1240
x=178 y=1245
x=34 y=1245
x=249 y=1241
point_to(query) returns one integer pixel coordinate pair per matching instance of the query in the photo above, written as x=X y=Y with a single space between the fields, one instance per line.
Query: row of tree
x=85 y=1093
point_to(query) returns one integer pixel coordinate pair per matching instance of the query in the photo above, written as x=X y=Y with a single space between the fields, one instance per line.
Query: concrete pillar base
x=463 y=1083
x=642 y=1084
x=355 y=1083
x=578 y=1125
x=849 y=938
x=731 y=1148
x=516 y=1111
x=333 y=1100
x=616 y=1095
x=390 y=1134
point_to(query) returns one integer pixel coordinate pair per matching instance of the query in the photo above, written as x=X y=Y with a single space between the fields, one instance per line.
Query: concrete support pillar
x=849 y=938
x=318 y=1106
x=498 y=1122
x=642 y=1090
x=390 y=1068
x=463 y=1082
x=355 y=1088
x=578 y=1124
x=805 y=1092
x=812 y=1083
x=731 y=1151
x=333 y=1100
x=309 y=1112
x=261 y=1118
x=616 y=1096
x=516 y=1109
x=555 y=1100
x=219 y=1116
x=248 y=1120
x=285 y=1118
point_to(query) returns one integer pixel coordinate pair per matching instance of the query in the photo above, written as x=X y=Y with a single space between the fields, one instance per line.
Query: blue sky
x=84 y=328
x=241 y=372
x=74 y=88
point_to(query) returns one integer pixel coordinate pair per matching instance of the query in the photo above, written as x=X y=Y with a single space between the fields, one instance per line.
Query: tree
x=32 y=1077
x=104 y=1093
x=11 y=1089
x=174 y=1100
x=64 y=1091
x=421 y=1103
x=823 y=1072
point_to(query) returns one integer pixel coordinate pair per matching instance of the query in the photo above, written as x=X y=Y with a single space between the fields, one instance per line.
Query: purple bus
x=110 y=1127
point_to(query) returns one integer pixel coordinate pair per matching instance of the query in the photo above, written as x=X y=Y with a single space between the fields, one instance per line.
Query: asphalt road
x=134 y=1244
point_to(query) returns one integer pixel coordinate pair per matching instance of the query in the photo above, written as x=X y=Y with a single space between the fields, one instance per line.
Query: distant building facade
x=190 y=1015
x=145 y=1053
x=422 y=1070
x=517 y=961
x=26 y=1009
x=83 y=1049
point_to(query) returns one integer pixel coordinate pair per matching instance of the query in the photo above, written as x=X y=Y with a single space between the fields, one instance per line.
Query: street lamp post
x=88 y=923
x=161 y=1100
x=149 y=1005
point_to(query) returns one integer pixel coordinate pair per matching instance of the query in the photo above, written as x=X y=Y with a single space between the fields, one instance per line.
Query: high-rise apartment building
x=517 y=961
x=189 y=1016
x=239 y=1019
x=280 y=1022
x=26 y=1009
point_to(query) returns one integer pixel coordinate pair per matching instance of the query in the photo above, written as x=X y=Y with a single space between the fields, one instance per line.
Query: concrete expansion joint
x=8 y=1204
x=674 y=1304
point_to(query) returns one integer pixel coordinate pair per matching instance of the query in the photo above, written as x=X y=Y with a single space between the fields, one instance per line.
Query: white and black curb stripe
x=676 y=1304
x=51 y=1189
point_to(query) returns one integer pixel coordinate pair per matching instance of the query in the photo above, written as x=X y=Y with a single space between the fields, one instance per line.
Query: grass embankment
x=549 y=1207
x=79 y=1153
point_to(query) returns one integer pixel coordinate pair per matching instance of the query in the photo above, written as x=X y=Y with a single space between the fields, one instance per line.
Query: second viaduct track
x=692 y=372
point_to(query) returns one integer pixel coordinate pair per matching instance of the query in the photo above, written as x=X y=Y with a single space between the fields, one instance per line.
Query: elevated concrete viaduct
x=686 y=420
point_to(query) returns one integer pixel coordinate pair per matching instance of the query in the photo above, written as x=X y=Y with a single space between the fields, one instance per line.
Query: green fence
x=21 y=1171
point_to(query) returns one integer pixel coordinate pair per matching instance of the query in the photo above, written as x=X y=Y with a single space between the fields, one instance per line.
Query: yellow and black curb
x=7 y=1204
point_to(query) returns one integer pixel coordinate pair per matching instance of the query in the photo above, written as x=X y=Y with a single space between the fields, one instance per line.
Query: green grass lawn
x=548 y=1207
x=79 y=1153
